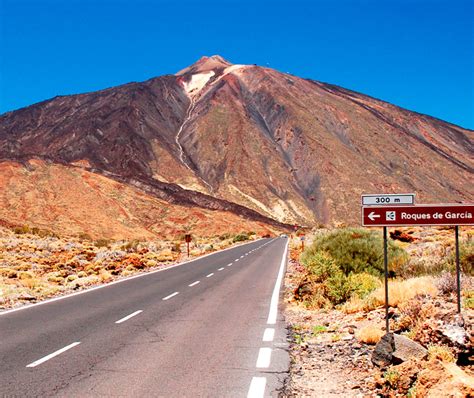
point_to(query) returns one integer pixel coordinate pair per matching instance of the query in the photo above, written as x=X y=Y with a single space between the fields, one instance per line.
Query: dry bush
x=442 y=353
x=355 y=304
x=413 y=313
x=104 y=275
x=447 y=283
x=370 y=334
x=403 y=291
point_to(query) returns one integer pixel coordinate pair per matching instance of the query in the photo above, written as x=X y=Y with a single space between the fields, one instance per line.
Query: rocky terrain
x=337 y=351
x=236 y=137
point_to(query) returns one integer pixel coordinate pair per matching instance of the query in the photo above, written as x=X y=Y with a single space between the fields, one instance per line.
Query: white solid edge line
x=54 y=354
x=257 y=387
x=128 y=316
x=193 y=284
x=220 y=269
x=209 y=275
x=171 y=295
x=268 y=334
x=264 y=357
x=272 y=314
x=120 y=280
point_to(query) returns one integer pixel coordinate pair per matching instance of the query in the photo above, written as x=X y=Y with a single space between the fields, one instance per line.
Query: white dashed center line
x=208 y=276
x=171 y=295
x=193 y=284
x=54 y=354
x=128 y=316
x=229 y=265
x=257 y=387
x=236 y=259
x=220 y=269
x=268 y=334
x=264 y=357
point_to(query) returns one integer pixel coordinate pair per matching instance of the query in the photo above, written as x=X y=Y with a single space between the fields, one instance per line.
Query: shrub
x=328 y=277
x=447 y=283
x=320 y=265
x=466 y=258
x=339 y=288
x=437 y=352
x=370 y=334
x=224 y=236
x=240 y=237
x=84 y=236
x=402 y=291
x=24 y=229
x=130 y=246
x=357 y=250
x=102 y=243
x=469 y=299
x=319 y=329
x=363 y=284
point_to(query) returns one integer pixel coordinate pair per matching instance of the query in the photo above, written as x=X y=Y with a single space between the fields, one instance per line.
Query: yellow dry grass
x=399 y=292
x=370 y=334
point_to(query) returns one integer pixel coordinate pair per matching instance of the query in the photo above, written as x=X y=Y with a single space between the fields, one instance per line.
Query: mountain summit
x=206 y=64
x=220 y=135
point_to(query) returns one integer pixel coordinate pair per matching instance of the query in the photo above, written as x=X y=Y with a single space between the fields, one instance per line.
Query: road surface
x=207 y=328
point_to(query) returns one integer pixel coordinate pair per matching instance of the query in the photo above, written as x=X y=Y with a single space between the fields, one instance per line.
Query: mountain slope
x=291 y=149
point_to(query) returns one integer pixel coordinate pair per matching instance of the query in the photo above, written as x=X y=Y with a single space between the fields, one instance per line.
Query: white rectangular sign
x=388 y=199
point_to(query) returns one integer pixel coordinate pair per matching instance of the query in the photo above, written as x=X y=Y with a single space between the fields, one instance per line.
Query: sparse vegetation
x=34 y=265
x=441 y=353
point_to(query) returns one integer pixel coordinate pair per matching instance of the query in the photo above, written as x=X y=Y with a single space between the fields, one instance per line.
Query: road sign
x=303 y=237
x=400 y=216
x=388 y=199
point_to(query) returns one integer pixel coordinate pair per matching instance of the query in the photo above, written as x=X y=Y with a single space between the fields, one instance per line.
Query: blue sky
x=417 y=54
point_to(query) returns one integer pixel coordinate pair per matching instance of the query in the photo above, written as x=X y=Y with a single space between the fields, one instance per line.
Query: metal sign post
x=458 y=268
x=385 y=266
x=302 y=242
x=187 y=238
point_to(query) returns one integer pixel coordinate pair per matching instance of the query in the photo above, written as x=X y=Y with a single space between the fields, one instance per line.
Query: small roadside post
x=453 y=215
x=386 y=200
x=302 y=238
x=187 y=238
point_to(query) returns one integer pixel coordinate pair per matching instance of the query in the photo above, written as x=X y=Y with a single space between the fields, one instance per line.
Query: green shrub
x=357 y=250
x=345 y=263
x=240 y=237
x=320 y=265
x=24 y=229
x=339 y=288
x=363 y=284
x=466 y=258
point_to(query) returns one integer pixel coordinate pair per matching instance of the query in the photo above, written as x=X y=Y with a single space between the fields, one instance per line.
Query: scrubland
x=335 y=310
x=36 y=264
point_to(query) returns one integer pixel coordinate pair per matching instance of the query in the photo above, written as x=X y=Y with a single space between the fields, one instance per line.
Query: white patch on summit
x=233 y=68
x=197 y=82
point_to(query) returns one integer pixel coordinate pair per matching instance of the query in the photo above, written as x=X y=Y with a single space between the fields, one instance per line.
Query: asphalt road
x=207 y=328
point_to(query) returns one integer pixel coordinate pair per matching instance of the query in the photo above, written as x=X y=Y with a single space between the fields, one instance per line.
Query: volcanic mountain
x=243 y=139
